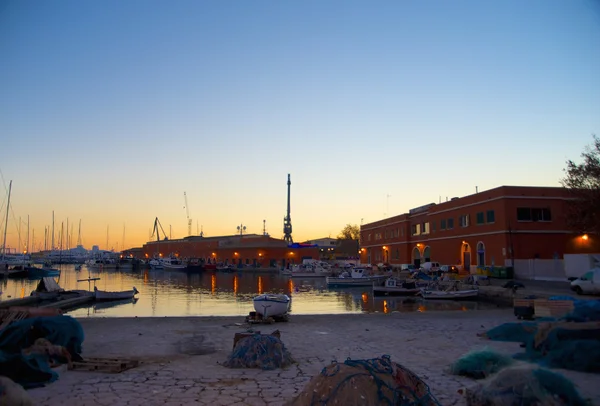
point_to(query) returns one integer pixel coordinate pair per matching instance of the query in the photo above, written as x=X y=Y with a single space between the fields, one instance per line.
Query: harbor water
x=173 y=293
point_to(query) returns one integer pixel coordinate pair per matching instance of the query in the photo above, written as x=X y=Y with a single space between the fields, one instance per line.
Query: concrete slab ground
x=180 y=357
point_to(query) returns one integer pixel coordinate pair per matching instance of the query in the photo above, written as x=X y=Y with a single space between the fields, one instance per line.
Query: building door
x=416 y=257
x=480 y=255
x=427 y=254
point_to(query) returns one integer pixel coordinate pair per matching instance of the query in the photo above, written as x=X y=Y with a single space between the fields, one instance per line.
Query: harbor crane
x=155 y=230
x=187 y=212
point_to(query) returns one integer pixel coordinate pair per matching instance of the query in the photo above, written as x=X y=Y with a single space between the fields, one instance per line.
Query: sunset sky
x=111 y=110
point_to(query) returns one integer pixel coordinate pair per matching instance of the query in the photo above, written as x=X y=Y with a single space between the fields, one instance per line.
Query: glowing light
x=213 y=283
x=365 y=298
x=385 y=307
x=235 y=253
x=215 y=254
x=418 y=245
x=584 y=237
x=290 y=286
x=260 y=254
x=235 y=285
x=421 y=309
x=260 y=285
x=384 y=248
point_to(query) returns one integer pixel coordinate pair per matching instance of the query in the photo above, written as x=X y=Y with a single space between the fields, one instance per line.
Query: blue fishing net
x=34 y=370
x=480 y=364
x=259 y=351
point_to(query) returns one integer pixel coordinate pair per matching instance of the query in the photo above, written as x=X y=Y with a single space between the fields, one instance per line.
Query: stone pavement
x=180 y=357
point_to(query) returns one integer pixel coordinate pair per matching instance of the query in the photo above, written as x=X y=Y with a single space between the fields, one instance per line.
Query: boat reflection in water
x=176 y=293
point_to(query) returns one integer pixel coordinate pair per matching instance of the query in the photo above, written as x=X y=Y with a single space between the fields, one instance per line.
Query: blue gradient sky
x=110 y=110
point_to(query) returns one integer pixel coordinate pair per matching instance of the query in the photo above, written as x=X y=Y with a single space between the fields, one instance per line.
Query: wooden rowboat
x=104 y=295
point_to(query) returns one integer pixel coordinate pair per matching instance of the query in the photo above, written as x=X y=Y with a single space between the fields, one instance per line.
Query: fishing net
x=524 y=385
x=259 y=351
x=480 y=364
x=370 y=382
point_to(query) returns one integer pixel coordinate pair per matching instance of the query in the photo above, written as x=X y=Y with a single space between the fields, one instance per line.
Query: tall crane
x=187 y=212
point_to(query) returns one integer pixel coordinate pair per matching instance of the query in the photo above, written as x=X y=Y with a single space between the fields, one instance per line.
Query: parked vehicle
x=588 y=283
x=431 y=266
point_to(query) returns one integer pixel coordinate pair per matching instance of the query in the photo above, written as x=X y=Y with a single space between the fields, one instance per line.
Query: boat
x=357 y=277
x=104 y=295
x=449 y=294
x=156 y=264
x=101 y=263
x=47 y=288
x=394 y=287
x=272 y=305
x=307 y=271
x=173 y=264
x=195 y=265
x=45 y=270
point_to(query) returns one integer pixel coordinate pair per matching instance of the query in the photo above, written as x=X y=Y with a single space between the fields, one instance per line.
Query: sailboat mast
x=79 y=234
x=107 y=238
x=123 y=240
x=52 y=247
x=27 y=248
x=6 y=222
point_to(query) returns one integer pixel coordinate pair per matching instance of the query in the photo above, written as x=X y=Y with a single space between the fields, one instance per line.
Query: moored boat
x=449 y=294
x=357 y=277
x=105 y=295
x=173 y=264
x=394 y=287
x=272 y=305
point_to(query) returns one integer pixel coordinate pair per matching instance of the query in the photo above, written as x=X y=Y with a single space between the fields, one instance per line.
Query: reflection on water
x=170 y=293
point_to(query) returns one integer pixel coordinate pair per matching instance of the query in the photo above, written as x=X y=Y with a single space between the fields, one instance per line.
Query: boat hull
x=272 y=305
x=385 y=291
x=104 y=295
x=450 y=295
x=363 y=281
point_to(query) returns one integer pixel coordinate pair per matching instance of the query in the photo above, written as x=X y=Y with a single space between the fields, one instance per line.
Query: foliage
x=350 y=232
x=583 y=182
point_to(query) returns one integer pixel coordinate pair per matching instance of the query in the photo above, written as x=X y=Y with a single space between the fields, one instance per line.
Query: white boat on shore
x=272 y=305
x=105 y=295
x=357 y=277
x=449 y=294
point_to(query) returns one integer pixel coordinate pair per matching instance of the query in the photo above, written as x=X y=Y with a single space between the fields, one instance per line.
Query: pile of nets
x=524 y=385
x=480 y=364
x=377 y=381
x=556 y=344
x=34 y=369
x=259 y=351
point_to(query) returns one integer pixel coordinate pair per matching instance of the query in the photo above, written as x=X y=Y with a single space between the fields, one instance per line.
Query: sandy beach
x=180 y=357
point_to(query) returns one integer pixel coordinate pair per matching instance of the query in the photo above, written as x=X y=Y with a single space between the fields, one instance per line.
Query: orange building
x=255 y=250
x=521 y=227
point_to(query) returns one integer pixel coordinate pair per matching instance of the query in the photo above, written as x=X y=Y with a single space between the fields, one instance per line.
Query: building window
x=490 y=216
x=480 y=218
x=402 y=231
x=425 y=228
x=533 y=214
x=464 y=220
x=433 y=226
x=450 y=224
x=416 y=229
x=443 y=224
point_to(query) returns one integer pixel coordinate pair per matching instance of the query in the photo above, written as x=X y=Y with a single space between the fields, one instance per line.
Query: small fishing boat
x=45 y=270
x=173 y=264
x=357 y=277
x=272 y=305
x=104 y=295
x=449 y=294
x=393 y=287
